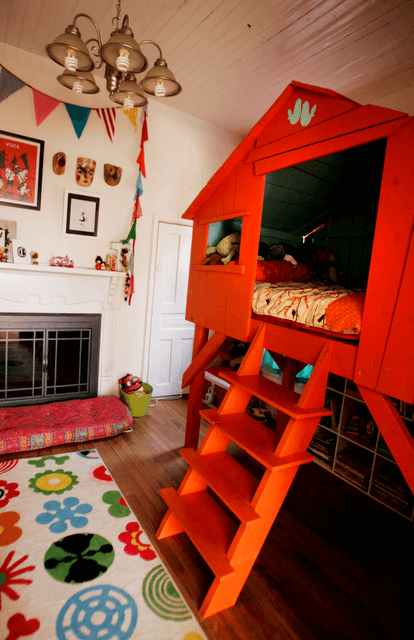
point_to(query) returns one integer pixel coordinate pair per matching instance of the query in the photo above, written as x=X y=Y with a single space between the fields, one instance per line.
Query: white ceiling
x=234 y=57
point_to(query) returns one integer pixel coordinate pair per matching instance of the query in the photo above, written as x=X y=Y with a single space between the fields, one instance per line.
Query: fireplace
x=61 y=324
x=48 y=357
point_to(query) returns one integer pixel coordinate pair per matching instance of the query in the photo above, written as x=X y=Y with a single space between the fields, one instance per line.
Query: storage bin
x=137 y=402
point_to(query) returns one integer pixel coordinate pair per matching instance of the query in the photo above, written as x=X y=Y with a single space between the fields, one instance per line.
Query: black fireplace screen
x=45 y=357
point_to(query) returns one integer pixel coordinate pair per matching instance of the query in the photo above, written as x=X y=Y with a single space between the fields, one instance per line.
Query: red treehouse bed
x=321 y=167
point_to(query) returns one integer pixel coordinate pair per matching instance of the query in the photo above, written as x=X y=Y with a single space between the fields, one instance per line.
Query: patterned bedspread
x=312 y=304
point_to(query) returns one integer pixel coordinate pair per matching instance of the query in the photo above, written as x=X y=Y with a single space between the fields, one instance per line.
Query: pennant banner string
x=44 y=105
x=137 y=210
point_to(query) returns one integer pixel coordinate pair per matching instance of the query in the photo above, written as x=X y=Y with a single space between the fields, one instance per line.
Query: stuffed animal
x=283 y=252
x=227 y=249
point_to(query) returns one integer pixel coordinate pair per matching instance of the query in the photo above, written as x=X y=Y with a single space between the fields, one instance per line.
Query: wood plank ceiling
x=234 y=57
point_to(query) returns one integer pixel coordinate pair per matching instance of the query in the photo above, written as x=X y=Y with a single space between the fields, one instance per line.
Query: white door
x=171 y=339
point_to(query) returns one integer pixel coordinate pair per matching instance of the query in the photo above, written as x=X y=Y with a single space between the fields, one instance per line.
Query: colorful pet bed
x=38 y=426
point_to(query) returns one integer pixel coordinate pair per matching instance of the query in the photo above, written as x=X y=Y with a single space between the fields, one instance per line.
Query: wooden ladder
x=229 y=539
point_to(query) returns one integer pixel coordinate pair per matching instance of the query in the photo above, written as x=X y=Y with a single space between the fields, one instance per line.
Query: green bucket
x=137 y=402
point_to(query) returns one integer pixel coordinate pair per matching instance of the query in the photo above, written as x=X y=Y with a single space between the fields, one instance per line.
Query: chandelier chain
x=116 y=20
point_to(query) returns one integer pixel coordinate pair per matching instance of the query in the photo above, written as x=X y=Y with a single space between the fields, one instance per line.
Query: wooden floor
x=336 y=564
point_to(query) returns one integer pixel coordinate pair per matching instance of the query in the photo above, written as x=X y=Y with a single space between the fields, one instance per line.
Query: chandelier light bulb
x=122 y=61
x=77 y=86
x=159 y=89
x=71 y=62
x=128 y=102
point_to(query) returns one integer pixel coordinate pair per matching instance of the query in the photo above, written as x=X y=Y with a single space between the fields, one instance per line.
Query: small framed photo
x=21 y=252
x=80 y=214
x=21 y=170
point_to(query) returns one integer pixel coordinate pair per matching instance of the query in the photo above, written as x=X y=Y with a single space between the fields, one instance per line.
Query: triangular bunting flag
x=9 y=84
x=144 y=138
x=108 y=118
x=132 y=115
x=44 y=105
x=79 y=117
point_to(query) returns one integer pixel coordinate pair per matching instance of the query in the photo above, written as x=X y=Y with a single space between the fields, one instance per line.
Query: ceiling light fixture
x=123 y=58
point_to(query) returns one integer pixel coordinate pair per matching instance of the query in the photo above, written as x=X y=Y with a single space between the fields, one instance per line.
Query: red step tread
x=233 y=484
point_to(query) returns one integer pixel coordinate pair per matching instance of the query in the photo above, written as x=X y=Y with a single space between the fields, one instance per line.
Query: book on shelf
x=354 y=464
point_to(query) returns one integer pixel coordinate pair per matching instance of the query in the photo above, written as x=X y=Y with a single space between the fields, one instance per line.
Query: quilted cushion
x=45 y=425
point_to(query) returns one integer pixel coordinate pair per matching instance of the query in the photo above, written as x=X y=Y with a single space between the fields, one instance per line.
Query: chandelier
x=122 y=57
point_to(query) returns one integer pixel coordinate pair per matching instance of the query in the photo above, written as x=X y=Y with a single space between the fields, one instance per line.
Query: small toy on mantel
x=61 y=261
x=99 y=263
x=35 y=257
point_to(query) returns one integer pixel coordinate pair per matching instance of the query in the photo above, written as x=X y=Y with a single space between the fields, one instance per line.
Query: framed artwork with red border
x=21 y=170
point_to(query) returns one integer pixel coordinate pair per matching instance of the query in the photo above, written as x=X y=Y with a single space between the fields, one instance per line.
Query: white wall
x=182 y=153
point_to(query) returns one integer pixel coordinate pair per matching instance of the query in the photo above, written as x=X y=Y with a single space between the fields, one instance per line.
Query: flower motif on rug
x=162 y=597
x=9 y=533
x=79 y=558
x=134 y=546
x=53 y=482
x=7 y=492
x=6 y=466
x=92 y=454
x=105 y=611
x=8 y=576
x=19 y=626
x=40 y=462
x=71 y=510
x=100 y=474
x=118 y=508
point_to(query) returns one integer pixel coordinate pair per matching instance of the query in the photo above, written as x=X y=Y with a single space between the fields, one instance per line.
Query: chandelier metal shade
x=122 y=57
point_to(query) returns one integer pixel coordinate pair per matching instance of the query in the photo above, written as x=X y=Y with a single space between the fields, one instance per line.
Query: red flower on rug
x=100 y=474
x=8 y=576
x=9 y=533
x=7 y=492
x=133 y=544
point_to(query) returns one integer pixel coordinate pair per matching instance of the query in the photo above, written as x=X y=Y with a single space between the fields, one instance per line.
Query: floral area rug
x=74 y=562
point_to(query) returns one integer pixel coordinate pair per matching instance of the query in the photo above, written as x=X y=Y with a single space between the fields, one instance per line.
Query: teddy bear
x=227 y=249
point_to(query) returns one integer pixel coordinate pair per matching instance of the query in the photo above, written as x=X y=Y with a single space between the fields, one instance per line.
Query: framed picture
x=80 y=214
x=21 y=170
x=21 y=252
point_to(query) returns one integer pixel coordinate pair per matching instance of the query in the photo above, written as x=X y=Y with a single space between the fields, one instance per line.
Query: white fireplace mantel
x=28 y=288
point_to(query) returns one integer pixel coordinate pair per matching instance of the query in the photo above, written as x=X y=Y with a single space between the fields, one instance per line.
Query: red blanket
x=46 y=425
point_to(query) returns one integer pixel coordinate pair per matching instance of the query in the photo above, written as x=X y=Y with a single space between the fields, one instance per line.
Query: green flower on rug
x=162 y=597
x=53 y=482
x=118 y=508
x=40 y=462
x=79 y=558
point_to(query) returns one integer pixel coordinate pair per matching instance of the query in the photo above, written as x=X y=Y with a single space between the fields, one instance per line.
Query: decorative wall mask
x=112 y=175
x=59 y=163
x=85 y=171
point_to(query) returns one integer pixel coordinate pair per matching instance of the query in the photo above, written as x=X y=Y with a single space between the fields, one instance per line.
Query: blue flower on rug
x=105 y=611
x=70 y=510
